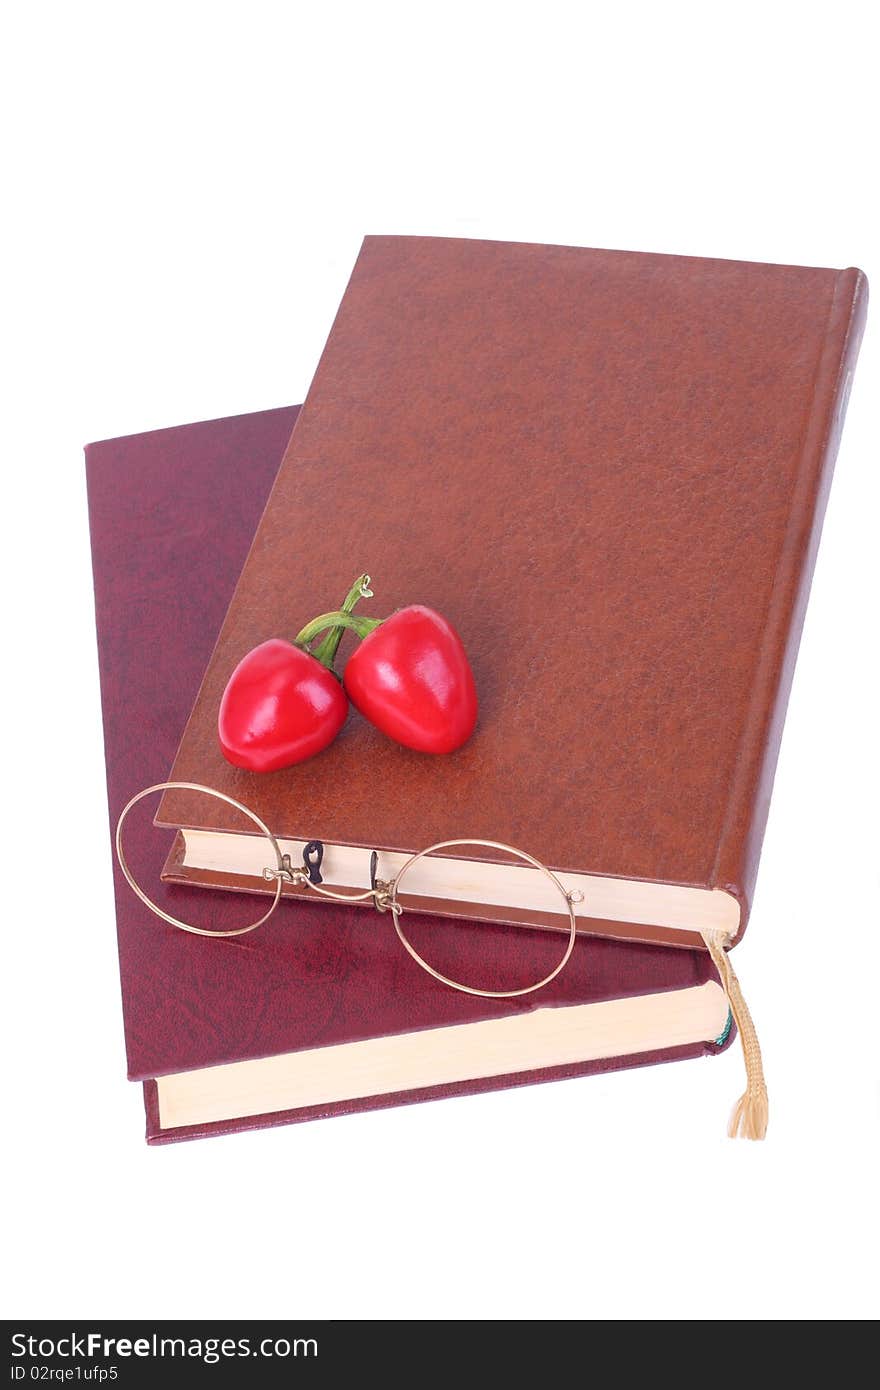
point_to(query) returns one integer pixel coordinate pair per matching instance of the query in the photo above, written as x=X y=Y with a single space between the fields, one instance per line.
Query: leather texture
x=608 y=470
x=172 y=513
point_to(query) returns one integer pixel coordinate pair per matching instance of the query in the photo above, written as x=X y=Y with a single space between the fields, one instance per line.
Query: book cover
x=172 y=514
x=609 y=471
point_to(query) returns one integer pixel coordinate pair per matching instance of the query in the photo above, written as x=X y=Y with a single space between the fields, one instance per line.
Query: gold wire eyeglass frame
x=383 y=892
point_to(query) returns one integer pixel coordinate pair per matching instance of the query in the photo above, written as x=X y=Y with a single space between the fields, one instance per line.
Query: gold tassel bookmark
x=748 y=1119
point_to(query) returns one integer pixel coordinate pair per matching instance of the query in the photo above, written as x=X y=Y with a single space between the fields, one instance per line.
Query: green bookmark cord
x=723 y=1036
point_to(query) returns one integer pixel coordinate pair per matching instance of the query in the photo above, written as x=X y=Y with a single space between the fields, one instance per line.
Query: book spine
x=151 y=1111
x=742 y=833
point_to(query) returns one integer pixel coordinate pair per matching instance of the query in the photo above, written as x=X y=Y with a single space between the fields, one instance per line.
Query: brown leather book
x=609 y=471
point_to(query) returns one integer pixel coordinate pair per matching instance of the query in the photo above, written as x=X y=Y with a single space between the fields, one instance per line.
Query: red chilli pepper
x=282 y=703
x=280 y=707
x=410 y=677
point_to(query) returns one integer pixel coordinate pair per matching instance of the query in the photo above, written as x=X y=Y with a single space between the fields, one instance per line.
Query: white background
x=186 y=187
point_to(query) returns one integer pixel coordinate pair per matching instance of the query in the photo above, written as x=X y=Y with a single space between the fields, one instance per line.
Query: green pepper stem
x=326 y=650
x=362 y=626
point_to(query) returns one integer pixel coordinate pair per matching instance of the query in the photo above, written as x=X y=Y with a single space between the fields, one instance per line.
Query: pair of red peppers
x=409 y=676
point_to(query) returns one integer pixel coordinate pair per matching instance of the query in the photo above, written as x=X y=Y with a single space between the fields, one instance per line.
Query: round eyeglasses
x=384 y=893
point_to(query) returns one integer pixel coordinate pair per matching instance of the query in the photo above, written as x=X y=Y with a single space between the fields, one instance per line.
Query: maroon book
x=320 y=1011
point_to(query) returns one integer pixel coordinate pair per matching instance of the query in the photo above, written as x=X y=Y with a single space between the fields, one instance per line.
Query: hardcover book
x=319 y=1012
x=608 y=470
